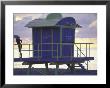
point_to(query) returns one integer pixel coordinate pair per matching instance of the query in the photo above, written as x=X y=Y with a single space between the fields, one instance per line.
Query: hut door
x=46 y=43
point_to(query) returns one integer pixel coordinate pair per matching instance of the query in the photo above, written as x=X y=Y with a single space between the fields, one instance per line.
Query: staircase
x=81 y=66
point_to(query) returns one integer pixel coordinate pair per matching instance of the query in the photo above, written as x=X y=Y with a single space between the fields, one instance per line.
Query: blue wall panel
x=36 y=40
x=68 y=35
x=56 y=39
x=46 y=38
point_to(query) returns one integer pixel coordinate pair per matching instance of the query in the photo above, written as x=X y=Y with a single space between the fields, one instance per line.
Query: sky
x=88 y=21
x=86 y=34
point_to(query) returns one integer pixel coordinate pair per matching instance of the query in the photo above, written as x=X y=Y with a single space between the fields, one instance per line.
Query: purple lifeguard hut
x=53 y=40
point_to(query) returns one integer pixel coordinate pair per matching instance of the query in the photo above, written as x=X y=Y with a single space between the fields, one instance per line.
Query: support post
x=56 y=70
x=77 y=51
x=89 y=50
x=57 y=51
x=86 y=50
x=86 y=56
x=46 y=65
x=72 y=66
x=29 y=50
x=57 y=65
x=80 y=50
x=29 y=69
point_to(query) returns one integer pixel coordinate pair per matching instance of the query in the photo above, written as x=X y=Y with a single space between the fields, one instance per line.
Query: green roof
x=51 y=20
x=48 y=23
x=42 y=23
x=54 y=16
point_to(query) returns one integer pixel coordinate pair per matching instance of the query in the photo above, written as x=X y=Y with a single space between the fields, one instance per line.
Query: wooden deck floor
x=64 y=60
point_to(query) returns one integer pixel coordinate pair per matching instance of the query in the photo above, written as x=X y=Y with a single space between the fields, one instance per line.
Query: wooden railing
x=79 y=48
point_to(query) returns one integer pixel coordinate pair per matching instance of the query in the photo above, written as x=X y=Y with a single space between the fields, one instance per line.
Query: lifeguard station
x=53 y=41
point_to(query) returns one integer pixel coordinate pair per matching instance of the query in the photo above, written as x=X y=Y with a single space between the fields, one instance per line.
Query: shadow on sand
x=42 y=71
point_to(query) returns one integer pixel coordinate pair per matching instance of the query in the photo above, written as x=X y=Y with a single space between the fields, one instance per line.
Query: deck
x=62 y=60
x=80 y=55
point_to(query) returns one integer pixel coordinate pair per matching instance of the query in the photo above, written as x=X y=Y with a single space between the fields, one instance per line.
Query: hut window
x=68 y=37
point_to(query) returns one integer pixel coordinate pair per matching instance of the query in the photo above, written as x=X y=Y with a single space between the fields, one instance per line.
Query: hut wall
x=52 y=43
x=68 y=36
x=36 y=41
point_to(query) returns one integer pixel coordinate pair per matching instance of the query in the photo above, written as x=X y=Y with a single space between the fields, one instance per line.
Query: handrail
x=58 y=43
x=78 y=48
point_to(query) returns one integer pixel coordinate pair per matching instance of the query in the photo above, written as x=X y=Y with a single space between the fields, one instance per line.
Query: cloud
x=27 y=41
x=20 y=29
x=17 y=18
x=93 y=24
x=87 y=28
x=76 y=31
x=82 y=18
x=86 y=32
x=88 y=23
x=33 y=15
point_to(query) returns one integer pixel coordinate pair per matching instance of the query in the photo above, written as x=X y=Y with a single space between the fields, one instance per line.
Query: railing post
x=77 y=51
x=89 y=50
x=86 y=56
x=29 y=50
x=80 y=50
x=86 y=49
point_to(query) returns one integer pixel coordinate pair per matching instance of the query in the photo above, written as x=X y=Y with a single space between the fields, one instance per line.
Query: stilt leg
x=72 y=67
x=69 y=67
x=29 y=69
x=56 y=70
x=46 y=66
